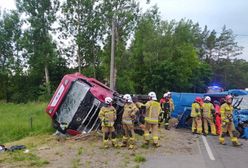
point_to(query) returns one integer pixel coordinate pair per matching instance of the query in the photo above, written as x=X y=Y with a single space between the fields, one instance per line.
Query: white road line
x=210 y=153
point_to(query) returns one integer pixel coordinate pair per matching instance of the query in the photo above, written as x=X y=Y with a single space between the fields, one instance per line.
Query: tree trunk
x=94 y=59
x=112 y=62
x=47 y=80
x=79 y=60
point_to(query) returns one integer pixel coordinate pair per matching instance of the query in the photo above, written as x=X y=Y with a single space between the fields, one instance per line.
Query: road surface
x=210 y=155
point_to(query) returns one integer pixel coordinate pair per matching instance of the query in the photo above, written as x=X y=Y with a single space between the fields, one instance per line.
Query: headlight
x=50 y=110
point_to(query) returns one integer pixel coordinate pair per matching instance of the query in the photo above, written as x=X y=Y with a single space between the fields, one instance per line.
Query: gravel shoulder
x=49 y=151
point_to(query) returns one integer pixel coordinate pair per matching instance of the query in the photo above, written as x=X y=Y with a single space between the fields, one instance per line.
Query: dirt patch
x=88 y=152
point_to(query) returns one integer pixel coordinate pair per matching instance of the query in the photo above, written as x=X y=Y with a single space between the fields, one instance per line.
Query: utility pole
x=79 y=48
x=112 y=63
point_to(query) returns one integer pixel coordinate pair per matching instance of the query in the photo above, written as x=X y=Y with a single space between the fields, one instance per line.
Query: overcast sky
x=213 y=13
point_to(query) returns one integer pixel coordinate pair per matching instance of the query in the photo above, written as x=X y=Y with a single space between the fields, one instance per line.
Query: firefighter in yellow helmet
x=208 y=118
x=128 y=116
x=151 y=119
x=107 y=116
x=226 y=111
x=196 y=116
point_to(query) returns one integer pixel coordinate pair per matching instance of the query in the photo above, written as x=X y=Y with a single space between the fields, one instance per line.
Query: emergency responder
x=164 y=115
x=107 y=116
x=208 y=116
x=217 y=117
x=172 y=107
x=196 y=116
x=128 y=116
x=227 y=125
x=151 y=120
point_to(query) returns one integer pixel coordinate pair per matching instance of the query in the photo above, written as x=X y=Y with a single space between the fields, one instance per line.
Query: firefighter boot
x=235 y=142
x=222 y=141
x=124 y=141
x=155 y=141
x=114 y=143
x=194 y=131
x=105 y=144
x=131 y=143
x=146 y=137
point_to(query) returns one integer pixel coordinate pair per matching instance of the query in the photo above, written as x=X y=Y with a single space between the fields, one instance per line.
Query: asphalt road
x=210 y=155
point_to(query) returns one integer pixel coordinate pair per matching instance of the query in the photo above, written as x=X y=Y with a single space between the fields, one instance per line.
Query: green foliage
x=139 y=158
x=16 y=121
x=27 y=159
x=231 y=73
x=162 y=55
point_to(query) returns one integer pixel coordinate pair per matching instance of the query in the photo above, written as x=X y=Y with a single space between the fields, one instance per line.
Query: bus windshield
x=72 y=102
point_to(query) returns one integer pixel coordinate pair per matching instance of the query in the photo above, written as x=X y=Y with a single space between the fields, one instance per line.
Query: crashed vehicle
x=76 y=103
x=240 y=117
x=183 y=102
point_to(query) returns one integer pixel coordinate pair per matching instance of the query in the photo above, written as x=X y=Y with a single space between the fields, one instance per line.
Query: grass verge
x=21 y=120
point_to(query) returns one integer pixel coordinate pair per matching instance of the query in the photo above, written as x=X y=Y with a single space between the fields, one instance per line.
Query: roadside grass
x=139 y=158
x=22 y=159
x=15 y=121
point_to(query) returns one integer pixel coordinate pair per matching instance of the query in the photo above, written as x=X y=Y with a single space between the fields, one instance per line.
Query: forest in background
x=41 y=41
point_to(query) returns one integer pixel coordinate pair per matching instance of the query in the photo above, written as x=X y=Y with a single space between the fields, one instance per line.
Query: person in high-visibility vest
x=128 y=116
x=208 y=116
x=227 y=125
x=107 y=116
x=196 y=116
x=151 y=119
x=164 y=115
x=172 y=106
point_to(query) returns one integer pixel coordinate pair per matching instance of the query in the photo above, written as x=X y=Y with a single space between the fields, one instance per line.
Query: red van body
x=75 y=104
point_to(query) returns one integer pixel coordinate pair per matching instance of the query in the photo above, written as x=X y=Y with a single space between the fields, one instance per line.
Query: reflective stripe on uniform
x=151 y=120
x=127 y=121
x=146 y=134
x=155 y=138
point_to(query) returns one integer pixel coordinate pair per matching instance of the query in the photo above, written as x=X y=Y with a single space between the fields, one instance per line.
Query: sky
x=213 y=13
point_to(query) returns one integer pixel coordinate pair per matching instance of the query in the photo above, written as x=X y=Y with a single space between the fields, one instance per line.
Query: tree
x=120 y=17
x=82 y=22
x=10 y=33
x=40 y=15
x=226 y=45
x=216 y=47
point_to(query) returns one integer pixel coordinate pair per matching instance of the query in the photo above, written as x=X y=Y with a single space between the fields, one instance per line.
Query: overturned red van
x=75 y=104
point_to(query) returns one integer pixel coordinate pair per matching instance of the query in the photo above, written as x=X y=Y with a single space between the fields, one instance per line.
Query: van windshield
x=72 y=101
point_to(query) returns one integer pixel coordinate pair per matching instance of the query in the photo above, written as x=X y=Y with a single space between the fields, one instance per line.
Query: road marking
x=210 y=153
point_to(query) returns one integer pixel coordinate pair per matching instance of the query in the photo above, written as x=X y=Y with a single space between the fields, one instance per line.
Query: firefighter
x=107 y=116
x=208 y=116
x=226 y=111
x=164 y=115
x=196 y=116
x=172 y=107
x=217 y=117
x=151 y=120
x=128 y=116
